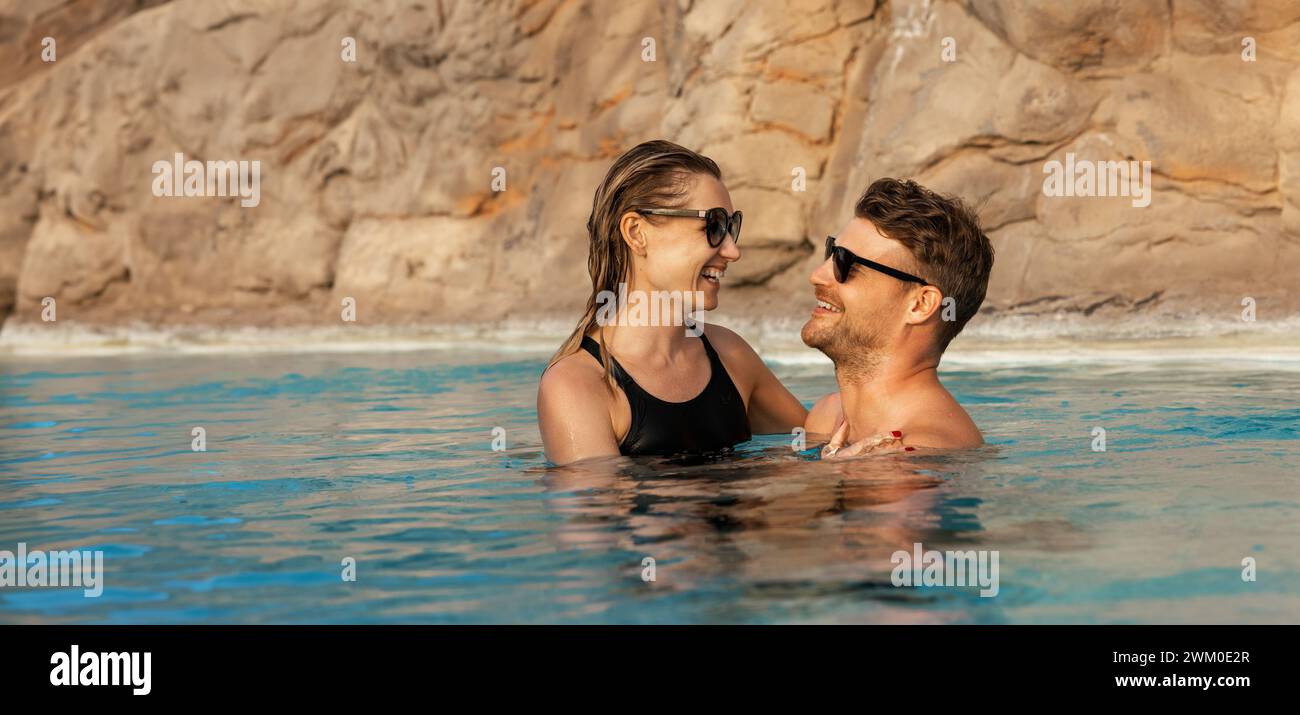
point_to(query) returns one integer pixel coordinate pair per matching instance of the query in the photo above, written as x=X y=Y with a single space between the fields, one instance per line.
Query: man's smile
x=826 y=307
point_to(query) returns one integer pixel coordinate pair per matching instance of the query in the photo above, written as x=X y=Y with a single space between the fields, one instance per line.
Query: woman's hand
x=878 y=444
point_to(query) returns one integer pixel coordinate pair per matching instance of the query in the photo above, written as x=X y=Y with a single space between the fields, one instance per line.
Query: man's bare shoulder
x=824 y=415
x=942 y=424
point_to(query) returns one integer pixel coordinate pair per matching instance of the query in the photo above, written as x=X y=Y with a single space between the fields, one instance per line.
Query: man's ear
x=926 y=302
x=631 y=226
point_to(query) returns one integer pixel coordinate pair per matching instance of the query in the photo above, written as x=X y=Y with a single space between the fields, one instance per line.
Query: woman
x=661 y=221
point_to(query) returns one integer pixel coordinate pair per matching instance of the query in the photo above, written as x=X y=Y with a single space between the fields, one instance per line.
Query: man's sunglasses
x=717 y=224
x=846 y=259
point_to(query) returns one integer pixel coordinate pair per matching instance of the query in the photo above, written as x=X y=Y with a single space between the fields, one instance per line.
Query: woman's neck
x=647 y=329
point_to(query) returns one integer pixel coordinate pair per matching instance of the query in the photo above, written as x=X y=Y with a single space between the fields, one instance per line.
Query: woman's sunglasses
x=717 y=224
x=846 y=259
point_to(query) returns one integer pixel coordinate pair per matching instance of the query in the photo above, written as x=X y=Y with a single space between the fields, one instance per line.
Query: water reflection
x=389 y=458
x=769 y=522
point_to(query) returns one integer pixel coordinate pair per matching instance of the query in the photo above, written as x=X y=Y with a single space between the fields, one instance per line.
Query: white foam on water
x=1013 y=340
x=80 y=341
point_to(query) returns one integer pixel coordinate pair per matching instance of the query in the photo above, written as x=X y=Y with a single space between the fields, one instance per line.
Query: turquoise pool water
x=388 y=459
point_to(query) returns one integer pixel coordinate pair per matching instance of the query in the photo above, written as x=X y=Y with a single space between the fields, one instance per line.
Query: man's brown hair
x=944 y=236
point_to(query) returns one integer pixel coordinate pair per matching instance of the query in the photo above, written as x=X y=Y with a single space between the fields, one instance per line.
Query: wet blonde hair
x=653 y=174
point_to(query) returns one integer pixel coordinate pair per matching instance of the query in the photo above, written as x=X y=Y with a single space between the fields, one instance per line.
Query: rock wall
x=376 y=175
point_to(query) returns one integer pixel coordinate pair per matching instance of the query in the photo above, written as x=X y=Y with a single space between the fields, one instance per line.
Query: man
x=900 y=282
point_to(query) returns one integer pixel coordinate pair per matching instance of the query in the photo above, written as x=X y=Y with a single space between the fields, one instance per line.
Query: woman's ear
x=631 y=226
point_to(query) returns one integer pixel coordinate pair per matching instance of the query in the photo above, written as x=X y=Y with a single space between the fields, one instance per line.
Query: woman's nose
x=729 y=250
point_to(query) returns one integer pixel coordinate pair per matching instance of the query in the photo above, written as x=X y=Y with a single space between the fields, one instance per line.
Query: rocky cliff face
x=377 y=176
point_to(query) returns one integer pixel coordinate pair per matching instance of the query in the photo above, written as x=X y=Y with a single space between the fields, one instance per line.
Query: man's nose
x=823 y=274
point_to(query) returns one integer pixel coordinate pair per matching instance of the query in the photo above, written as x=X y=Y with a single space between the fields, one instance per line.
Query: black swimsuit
x=712 y=421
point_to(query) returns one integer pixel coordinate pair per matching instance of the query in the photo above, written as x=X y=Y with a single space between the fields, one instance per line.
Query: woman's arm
x=771 y=408
x=573 y=413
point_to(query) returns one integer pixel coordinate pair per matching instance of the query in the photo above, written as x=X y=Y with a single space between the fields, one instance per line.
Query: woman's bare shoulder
x=577 y=373
x=729 y=344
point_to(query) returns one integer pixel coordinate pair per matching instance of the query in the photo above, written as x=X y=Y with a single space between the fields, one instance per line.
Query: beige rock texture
x=377 y=175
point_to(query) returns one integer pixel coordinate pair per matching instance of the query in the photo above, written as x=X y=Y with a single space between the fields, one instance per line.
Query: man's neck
x=877 y=401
